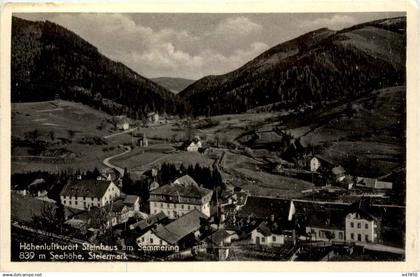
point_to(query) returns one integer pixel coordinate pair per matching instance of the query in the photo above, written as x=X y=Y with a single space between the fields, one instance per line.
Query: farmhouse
x=122 y=123
x=194 y=145
x=266 y=236
x=182 y=232
x=153 y=117
x=84 y=194
x=180 y=197
x=361 y=226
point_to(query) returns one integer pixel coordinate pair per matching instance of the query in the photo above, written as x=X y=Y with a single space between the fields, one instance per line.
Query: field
x=373 y=131
x=66 y=130
x=366 y=134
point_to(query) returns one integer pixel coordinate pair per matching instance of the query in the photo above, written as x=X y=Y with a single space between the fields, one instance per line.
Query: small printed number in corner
x=409 y=274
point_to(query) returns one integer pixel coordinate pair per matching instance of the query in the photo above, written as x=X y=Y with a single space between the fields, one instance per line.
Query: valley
x=278 y=159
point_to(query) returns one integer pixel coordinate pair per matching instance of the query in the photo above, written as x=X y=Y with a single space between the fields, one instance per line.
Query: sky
x=194 y=45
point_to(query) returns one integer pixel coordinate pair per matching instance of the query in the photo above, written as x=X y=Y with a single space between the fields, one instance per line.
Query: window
x=84 y=197
x=168 y=205
x=352 y=236
x=151 y=240
x=161 y=205
x=263 y=239
x=366 y=226
x=274 y=238
x=359 y=237
x=142 y=239
x=182 y=206
x=367 y=238
x=359 y=225
x=340 y=235
x=64 y=201
x=160 y=241
x=75 y=202
x=351 y=224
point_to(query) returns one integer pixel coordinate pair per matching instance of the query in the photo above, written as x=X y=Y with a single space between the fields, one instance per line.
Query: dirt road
x=107 y=161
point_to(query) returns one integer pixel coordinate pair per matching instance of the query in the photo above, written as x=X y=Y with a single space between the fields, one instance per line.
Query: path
x=120 y=133
x=107 y=161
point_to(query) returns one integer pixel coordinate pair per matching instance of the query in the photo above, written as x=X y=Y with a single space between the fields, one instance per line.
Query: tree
x=32 y=135
x=71 y=133
x=51 y=134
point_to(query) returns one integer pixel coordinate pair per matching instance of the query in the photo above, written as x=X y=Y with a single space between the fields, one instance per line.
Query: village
x=184 y=212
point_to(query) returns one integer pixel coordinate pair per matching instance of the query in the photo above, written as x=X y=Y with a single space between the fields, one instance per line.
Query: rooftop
x=130 y=199
x=86 y=188
x=338 y=170
x=149 y=222
x=261 y=207
x=218 y=237
x=181 y=227
x=184 y=186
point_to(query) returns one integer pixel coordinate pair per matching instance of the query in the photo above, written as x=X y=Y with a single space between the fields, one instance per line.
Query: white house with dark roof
x=263 y=235
x=84 y=194
x=180 y=197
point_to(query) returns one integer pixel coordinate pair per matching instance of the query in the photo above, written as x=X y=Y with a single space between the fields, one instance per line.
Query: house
x=194 y=145
x=314 y=164
x=181 y=232
x=361 y=226
x=122 y=123
x=218 y=242
x=132 y=202
x=339 y=173
x=371 y=183
x=149 y=222
x=265 y=236
x=153 y=117
x=84 y=194
x=180 y=197
x=347 y=182
x=325 y=227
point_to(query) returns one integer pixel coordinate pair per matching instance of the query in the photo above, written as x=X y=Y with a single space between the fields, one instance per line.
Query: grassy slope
x=374 y=134
x=59 y=117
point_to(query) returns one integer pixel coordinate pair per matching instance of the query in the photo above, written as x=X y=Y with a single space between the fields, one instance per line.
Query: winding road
x=107 y=161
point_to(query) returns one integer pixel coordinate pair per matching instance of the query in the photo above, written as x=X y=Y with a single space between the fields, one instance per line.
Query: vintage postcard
x=209 y=137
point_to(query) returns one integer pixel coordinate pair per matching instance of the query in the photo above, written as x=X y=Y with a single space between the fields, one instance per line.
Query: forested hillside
x=49 y=61
x=310 y=70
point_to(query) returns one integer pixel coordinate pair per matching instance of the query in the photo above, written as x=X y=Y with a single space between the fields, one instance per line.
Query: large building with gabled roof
x=87 y=193
x=175 y=232
x=180 y=197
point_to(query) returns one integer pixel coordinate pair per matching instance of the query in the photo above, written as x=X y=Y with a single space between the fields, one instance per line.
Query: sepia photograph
x=203 y=137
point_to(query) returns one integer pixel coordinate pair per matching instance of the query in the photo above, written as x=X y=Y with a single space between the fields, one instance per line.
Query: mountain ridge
x=50 y=61
x=308 y=70
x=174 y=84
